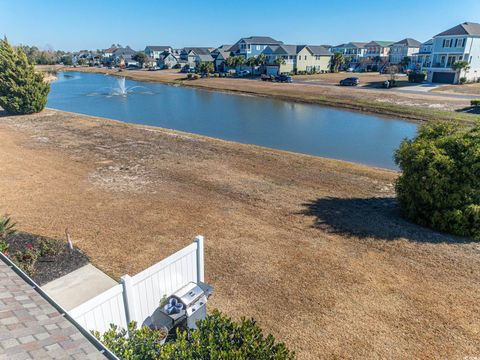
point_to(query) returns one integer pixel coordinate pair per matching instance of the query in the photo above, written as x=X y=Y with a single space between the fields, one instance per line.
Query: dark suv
x=352 y=81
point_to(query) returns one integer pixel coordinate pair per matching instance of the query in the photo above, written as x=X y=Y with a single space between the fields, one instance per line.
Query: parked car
x=187 y=70
x=243 y=73
x=283 y=78
x=266 y=77
x=351 y=69
x=351 y=81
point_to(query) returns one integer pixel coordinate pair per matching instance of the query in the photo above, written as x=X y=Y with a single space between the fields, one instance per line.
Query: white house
x=402 y=49
x=156 y=51
x=460 y=43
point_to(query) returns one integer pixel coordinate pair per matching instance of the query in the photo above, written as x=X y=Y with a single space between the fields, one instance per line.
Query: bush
x=22 y=90
x=416 y=77
x=475 y=102
x=217 y=337
x=440 y=183
x=7 y=227
x=463 y=80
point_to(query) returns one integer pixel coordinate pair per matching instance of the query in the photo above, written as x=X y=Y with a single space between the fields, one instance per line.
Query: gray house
x=167 y=60
x=193 y=56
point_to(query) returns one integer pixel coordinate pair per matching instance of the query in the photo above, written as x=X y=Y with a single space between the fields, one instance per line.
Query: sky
x=75 y=25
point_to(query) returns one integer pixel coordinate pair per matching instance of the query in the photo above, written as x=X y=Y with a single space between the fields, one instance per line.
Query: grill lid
x=189 y=294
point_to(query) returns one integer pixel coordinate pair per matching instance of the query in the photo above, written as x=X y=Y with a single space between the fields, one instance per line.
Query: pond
x=278 y=124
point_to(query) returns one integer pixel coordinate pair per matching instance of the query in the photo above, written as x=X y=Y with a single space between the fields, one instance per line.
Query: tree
x=234 y=61
x=337 y=61
x=439 y=186
x=279 y=61
x=251 y=61
x=261 y=60
x=140 y=57
x=206 y=67
x=22 y=90
x=461 y=66
x=405 y=62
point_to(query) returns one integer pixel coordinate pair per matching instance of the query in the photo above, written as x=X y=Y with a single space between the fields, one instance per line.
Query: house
x=355 y=51
x=193 y=56
x=253 y=45
x=402 y=49
x=118 y=55
x=460 y=43
x=339 y=49
x=108 y=53
x=423 y=58
x=296 y=58
x=155 y=51
x=286 y=52
x=379 y=49
x=167 y=60
x=312 y=58
x=220 y=55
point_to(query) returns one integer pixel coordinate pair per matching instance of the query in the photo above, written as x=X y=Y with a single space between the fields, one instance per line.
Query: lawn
x=313 y=248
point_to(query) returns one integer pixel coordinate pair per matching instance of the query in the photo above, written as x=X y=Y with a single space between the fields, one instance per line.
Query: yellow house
x=313 y=59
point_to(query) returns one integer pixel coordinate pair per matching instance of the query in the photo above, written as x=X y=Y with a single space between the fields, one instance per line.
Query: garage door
x=443 y=78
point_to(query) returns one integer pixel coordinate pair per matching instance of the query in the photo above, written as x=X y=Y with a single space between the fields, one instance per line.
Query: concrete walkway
x=80 y=285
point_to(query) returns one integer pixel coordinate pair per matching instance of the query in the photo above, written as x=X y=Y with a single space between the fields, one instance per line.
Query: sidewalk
x=80 y=285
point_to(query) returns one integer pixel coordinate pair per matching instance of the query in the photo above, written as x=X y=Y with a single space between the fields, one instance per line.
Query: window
x=258 y=47
x=305 y=57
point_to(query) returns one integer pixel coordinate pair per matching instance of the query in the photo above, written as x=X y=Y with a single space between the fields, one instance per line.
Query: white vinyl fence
x=137 y=297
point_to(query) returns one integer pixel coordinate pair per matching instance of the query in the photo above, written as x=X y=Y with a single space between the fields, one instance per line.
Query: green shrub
x=7 y=227
x=217 y=337
x=22 y=89
x=475 y=102
x=141 y=344
x=463 y=80
x=440 y=182
x=416 y=77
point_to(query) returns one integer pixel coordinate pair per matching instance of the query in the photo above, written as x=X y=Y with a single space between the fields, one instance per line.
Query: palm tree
x=405 y=62
x=251 y=61
x=261 y=60
x=460 y=66
x=338 y=60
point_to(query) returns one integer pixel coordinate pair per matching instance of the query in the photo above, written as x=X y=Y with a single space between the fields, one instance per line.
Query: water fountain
x=121 y=88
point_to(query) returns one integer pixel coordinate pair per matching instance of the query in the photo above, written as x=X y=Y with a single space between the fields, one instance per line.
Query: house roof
x=319 y=50
x=124 y=51
x=265 y=40
x=380 y=43
x=356 y=44
x=409 y=42
x=33 y=325
x=198 y=50
x=467 y=28
x=429 y=42
x=110 y=50
x=205 y=57
x=158 y=48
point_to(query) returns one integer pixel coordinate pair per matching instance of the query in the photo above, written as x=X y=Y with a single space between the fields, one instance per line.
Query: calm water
x=303 y=128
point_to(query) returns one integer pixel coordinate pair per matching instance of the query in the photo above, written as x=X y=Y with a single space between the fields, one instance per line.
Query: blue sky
x=87 y=24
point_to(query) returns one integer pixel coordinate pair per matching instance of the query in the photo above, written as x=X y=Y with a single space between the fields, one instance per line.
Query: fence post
x=200 y=260
x=128 y=298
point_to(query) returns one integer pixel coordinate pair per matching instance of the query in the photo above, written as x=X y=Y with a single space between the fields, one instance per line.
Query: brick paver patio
x=31 y=328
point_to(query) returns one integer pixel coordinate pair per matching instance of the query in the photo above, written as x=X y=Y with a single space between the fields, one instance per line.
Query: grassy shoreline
x=413 y=113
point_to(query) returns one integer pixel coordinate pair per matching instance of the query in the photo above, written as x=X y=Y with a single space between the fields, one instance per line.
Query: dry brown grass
x=312 y=248
x=468 y=89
